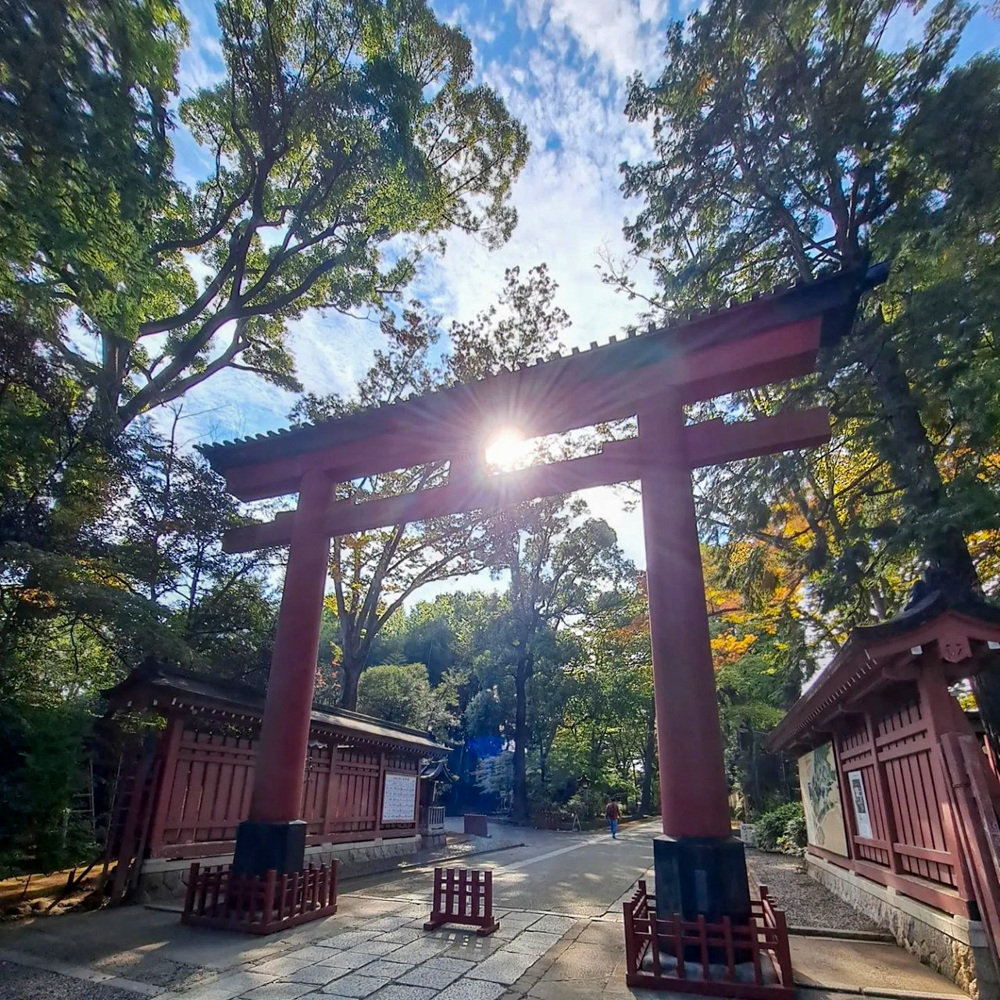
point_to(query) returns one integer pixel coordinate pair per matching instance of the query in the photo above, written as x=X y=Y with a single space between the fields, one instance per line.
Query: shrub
x=793 y=840
x=772 y=825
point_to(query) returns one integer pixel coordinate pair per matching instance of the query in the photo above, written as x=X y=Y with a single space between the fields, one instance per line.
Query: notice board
x=399 y=799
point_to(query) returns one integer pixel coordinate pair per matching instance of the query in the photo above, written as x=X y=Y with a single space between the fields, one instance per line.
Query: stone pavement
x=560 y=939
x=371 y=948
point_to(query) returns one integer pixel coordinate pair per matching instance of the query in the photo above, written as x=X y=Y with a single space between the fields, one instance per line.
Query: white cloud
x=202 y=62
x=565 y=79
x=622 y=34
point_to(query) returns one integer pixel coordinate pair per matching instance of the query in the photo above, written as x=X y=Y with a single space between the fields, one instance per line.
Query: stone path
x=372 y=948
x=560 y=939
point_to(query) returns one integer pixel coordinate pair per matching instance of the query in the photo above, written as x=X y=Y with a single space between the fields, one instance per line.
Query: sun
x=507 y=450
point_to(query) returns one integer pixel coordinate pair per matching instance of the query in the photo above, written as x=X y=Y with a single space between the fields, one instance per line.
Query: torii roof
x=963 y=632
x=552 y=395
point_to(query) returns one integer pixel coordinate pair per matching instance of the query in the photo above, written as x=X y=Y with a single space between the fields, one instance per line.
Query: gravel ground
x=806 y=903
x=20 y=983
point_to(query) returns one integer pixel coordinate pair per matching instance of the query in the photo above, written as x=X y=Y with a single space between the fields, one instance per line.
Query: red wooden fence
x=207 y=780
x=748 y=961
x=913 y=844
x=258 y=904
x=463 y=896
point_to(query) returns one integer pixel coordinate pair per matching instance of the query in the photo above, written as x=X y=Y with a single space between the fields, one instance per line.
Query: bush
x=773 y=825
x=793 y=840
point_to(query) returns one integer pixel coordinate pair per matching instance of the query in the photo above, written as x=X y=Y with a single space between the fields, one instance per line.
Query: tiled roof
x=164 y=685
x=835 y=296
x=854 y=669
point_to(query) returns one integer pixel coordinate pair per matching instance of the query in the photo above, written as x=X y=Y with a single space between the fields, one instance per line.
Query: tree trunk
x=910 y=455
x=519 y=812
x=350 y=667
x=648 y=761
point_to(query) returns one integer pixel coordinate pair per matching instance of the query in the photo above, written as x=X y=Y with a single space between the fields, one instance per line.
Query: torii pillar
x=274 y=836
x=700 y=867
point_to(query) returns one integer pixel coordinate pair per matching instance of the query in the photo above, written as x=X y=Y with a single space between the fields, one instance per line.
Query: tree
x=558 y=562
x=401 y=693
x=374 y=572
x=338 y=128
x=613 y=713
x=788 y=142
x=523 y=324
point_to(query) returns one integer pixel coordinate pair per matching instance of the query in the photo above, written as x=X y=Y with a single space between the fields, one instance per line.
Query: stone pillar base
x=701 y=875
x=263 y=847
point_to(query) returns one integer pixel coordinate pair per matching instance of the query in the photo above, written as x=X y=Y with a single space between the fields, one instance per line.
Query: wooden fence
x=750 y=961
x=463 y=896
x=207 y=778
x=912 y=844
x=258 y=904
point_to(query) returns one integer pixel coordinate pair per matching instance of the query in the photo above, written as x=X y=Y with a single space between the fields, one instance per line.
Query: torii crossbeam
x=699 y=867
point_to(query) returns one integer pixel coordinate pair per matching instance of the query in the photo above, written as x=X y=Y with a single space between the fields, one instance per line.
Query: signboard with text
x=859 y=800
x=399 y=798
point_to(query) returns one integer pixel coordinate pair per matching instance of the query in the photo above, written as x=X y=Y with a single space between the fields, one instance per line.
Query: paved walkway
x=560 y=939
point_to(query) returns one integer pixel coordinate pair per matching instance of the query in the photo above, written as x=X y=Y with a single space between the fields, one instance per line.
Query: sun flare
x=507 y=450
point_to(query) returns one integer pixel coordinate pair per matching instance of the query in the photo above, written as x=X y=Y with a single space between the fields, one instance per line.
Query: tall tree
x=790 y=140
x=374 y=572
x=338 y=128
x=558 y=561
x=401 y=693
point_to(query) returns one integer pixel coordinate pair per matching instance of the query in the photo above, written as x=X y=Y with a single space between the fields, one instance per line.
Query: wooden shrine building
x=191 y=787
x=899 y=796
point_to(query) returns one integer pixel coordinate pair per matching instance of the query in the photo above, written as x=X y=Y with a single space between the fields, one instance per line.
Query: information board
x=861 y=815
x=821 y=800
x=399 y=800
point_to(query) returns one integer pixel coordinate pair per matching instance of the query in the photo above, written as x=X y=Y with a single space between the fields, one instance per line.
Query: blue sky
x=561 y=66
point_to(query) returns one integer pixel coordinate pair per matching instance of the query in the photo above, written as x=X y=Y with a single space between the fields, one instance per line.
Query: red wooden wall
x=913 y=846
x=207 y=778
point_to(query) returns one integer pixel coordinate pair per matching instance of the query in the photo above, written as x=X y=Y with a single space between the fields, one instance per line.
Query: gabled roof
x=834 y=297
x=165 y=689
x=963 y=631
x=437 y=770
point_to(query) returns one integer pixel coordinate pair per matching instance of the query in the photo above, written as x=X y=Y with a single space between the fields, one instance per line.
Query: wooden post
x=332 y=783
x=846 y=802
x=169 y=747
x=882 y=791
x=383 y=764
x=939 y=706
x=279 y=773
x=693 y=790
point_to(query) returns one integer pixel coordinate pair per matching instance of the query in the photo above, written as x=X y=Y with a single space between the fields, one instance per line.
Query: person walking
x=611 y=814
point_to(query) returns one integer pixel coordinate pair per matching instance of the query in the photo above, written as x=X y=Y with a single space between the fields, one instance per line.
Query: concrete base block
x=263 y=847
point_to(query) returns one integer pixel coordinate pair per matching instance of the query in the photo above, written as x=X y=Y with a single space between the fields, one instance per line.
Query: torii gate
x=700 y=868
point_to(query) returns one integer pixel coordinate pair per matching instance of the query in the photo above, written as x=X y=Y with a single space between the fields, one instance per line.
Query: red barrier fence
x=744 y=961
x=463 y=896
x=221 y=898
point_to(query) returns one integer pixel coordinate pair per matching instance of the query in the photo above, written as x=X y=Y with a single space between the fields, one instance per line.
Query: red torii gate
x=699 y=867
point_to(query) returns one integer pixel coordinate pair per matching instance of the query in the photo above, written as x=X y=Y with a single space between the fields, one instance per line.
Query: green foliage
x=794 y=840
x=374 y=572
x=401 y=693
x=42 y=784
x=338 y=127
x=779 y=823
x=789 y=141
